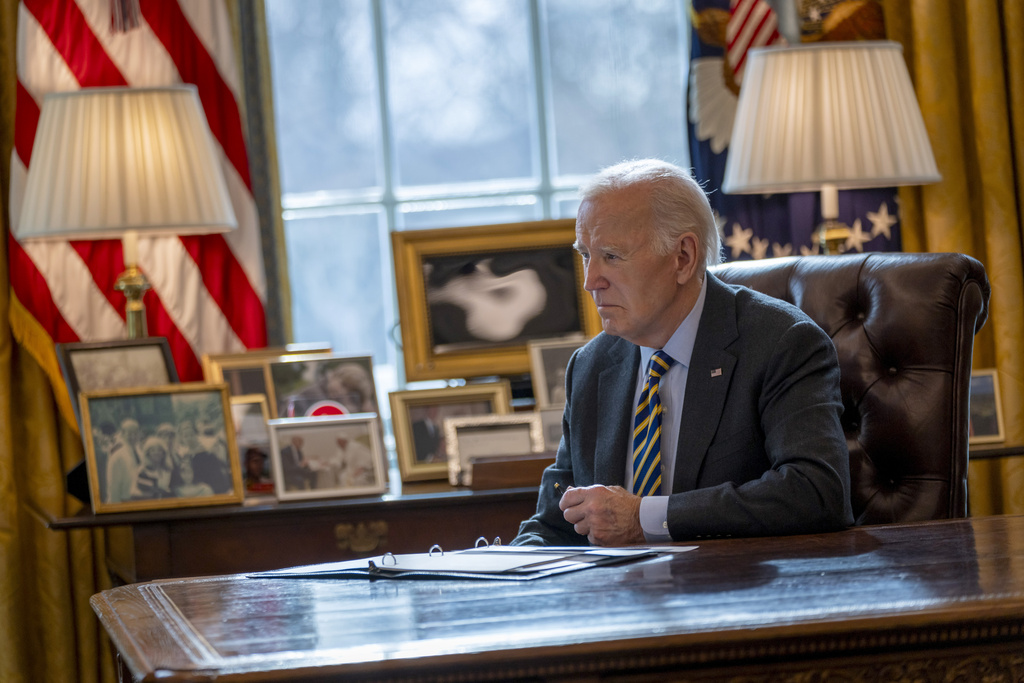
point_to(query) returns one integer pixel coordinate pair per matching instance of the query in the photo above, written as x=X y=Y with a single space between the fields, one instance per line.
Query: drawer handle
x=361 y=537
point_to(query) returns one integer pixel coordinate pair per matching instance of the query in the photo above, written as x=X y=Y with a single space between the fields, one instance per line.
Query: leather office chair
x=903 y=326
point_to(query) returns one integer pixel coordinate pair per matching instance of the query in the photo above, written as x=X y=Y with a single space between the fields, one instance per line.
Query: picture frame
x=986 y=410
x=551 y=425
x=548 y=361
x=180 y=435
x=247 y=372
x=318 y=385
x=457 y=317
x=418 y=415
x=115 y=364
x=249 y=415
x=310 y=460
x=478 y=437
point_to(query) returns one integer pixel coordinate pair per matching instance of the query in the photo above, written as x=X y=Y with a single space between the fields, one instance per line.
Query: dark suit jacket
x=761 y=450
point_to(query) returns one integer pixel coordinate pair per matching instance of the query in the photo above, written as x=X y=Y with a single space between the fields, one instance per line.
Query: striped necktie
x=647 y=429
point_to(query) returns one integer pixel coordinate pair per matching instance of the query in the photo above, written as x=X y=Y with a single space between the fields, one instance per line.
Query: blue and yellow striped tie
x=647 y=429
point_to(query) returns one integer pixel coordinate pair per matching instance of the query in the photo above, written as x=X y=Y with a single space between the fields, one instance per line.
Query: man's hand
x=606 y=515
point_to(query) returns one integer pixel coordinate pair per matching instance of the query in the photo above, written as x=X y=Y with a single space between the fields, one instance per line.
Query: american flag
x=752 y=23
x=208 y=292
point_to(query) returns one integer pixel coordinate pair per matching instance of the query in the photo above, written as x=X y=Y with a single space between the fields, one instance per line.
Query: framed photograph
x=160 y=447
x=418 y=419
x=478 y=437
x=326 y=457
x=548 y=360
x=247 y=373
x=120 y=364
x=317 y=385
x=249 y=415
x=551 y=424
x=986 y=425
x=470 y=299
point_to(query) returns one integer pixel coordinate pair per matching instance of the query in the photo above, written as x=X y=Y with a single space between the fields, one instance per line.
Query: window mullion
x=538 y=36
x=387 y=146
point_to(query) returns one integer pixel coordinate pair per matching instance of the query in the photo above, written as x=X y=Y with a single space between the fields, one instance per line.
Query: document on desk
x=509 y=563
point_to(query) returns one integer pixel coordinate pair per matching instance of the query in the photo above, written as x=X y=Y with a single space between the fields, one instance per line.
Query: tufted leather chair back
x=903 y=326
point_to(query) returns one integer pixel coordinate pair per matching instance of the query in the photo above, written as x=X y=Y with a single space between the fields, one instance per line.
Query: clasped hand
x=606 y=515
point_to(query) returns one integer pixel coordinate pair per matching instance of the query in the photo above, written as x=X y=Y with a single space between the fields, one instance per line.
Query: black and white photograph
x=252 y=437
x=322 y=385
x=161 y=447
x=986 y=424
x=248 y=372
x=120 y=364
x=418 y=415
x=501 y=298
x=548 y=361
x=327 y=456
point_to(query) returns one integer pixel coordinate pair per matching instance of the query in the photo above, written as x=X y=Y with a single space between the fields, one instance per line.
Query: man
x=746 y=393
x=123 y=462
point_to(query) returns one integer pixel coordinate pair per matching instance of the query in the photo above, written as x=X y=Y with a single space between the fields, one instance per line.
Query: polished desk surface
x=874 y=592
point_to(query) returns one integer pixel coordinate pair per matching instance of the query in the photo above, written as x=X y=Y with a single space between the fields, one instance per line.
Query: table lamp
x=117 y=163
x=824 y=117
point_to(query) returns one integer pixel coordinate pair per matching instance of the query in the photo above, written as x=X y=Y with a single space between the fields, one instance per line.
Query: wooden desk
x=189 y=542
x=934 y=601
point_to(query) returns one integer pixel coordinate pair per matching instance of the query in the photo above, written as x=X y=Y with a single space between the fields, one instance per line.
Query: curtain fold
x=967 y=63
x=48 y=631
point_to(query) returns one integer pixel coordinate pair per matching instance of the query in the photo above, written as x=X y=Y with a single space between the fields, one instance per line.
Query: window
x=405 y=114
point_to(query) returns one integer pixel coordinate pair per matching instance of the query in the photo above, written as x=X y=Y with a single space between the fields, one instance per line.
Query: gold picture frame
x=250 y=415
x=418 y=415
x=181 y=435
x=247 y=372
x=450 y=331
x=986 y=409
x=479 y=437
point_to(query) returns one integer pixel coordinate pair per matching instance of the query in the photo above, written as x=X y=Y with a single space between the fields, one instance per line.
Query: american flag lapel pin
x=717 y=372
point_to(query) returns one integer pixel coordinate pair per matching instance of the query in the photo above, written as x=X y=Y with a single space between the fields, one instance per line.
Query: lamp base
x=134 y=285
x=831 y=236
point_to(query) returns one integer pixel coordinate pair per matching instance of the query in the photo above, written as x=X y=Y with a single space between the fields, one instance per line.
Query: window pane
x=325 y=90
x=616 y=82
x=337 y=283
x=460 y=89
x=455 y=213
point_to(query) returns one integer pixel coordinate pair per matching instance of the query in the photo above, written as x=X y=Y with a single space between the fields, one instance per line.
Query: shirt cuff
x=654 y=519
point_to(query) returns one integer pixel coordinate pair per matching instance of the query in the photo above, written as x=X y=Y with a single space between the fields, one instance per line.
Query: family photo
x=158 y=448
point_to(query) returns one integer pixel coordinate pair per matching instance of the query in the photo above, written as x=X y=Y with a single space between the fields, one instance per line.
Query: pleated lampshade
x=842 y=114
x=107 y=161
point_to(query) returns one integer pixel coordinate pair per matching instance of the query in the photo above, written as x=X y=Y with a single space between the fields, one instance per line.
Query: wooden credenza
x=189 y=542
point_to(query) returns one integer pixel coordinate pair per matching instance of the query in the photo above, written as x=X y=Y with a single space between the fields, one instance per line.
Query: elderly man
x=702 y=409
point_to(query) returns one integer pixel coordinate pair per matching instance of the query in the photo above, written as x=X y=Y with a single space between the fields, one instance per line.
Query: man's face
x=636 y=290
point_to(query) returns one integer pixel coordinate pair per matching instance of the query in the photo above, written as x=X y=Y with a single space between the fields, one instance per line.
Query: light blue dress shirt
x=654 y=509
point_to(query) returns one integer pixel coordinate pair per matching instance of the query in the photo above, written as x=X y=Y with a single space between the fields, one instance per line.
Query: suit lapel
x=707 y=383
x=616 y=385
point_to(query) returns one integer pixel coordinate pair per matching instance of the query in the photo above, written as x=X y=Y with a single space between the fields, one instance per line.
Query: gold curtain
x=48 y=632
x=967 y=62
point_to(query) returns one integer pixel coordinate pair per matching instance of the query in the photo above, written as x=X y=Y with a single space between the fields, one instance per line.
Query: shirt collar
x=680 y=344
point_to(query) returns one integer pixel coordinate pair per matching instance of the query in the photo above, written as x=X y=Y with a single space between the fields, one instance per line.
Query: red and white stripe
x=208 y=292
x=752 y=23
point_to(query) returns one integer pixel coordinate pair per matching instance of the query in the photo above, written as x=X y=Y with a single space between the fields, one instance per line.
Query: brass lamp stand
x=134 y=285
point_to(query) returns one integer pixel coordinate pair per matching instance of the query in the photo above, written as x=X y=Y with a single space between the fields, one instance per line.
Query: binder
x=493 y=562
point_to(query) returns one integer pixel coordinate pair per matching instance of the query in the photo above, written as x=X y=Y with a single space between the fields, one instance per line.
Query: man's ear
x=688 y=257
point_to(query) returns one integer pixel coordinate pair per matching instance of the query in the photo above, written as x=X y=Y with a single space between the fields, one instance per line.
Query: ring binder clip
x=436 y=547
x=384 y=559
x=497 y=540
x=478 y=544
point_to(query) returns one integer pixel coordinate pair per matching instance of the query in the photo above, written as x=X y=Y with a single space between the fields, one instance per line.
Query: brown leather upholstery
x=904 y=326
